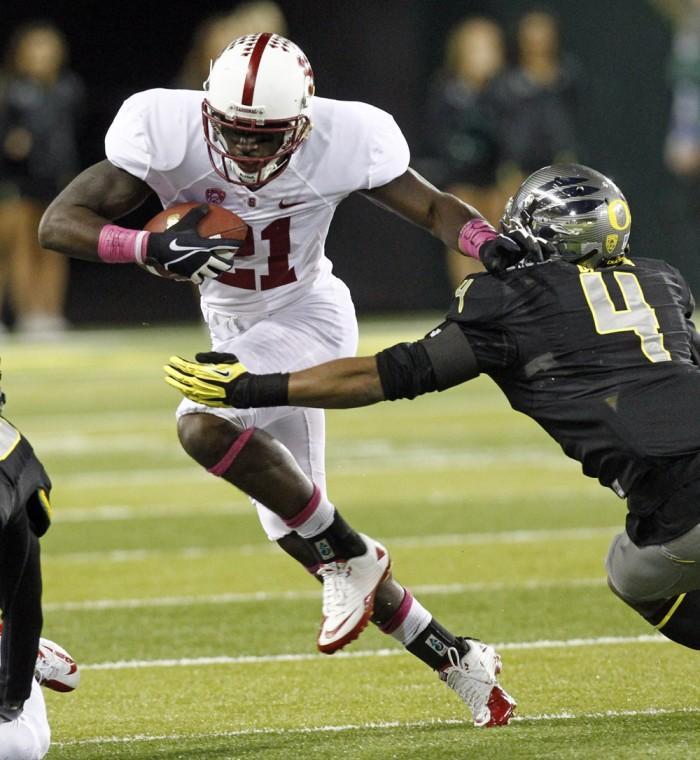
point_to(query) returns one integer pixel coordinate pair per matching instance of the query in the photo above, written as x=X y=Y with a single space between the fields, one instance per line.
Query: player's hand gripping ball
x=193 y=241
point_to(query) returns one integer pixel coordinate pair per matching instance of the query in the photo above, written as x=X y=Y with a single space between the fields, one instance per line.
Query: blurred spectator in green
x=681 y=215
x=40 y=102
x=461 y=134
x=683 y=140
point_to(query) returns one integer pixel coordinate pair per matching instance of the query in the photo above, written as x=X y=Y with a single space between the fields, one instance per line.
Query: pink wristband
x=118 y=245
x=473 y=235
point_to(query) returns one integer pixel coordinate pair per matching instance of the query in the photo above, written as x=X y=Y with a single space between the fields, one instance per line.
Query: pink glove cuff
x=118 y=245
x=473 y=235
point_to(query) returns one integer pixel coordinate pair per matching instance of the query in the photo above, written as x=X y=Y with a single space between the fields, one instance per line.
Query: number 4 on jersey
x=638 y=317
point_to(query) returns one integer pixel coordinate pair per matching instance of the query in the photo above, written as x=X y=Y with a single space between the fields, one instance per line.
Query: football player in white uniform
x=282 y=160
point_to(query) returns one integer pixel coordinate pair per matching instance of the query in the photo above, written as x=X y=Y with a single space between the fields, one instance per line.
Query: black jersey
x=24 y=483
x=603 y=360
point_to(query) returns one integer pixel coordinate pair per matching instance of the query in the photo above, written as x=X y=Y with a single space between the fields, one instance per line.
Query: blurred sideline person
x=283 y=160
x=597 y=348
x=25 y=659
x=461 y=130
x=682 y=146
x=215 y=32
x=40 y=103
x=534 y=103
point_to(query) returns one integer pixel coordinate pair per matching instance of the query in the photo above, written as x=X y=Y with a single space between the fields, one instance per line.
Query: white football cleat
x=472 y=675
x=55 y=668
x=349 y=588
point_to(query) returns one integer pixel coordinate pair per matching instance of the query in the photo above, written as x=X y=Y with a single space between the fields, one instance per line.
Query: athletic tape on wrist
x=119 y=245
x=473 y=235
x=228 y=458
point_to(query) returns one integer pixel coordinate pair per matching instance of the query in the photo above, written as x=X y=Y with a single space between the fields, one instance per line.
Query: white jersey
x=157 y=136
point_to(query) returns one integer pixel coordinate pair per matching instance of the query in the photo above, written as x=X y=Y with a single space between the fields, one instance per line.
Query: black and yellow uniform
x=604 y=361
x=24 y=516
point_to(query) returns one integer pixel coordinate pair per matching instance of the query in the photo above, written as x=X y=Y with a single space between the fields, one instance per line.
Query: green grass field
x=196 y=638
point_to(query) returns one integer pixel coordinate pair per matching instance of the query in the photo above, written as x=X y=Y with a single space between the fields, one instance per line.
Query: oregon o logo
x=619 y=215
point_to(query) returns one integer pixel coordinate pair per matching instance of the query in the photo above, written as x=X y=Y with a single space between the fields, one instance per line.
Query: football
x=219 y=222
x=56 y=669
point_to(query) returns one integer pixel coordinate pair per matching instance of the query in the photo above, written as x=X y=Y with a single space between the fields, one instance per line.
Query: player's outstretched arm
x=457 y=224
x=217 y=379
x=405 y=370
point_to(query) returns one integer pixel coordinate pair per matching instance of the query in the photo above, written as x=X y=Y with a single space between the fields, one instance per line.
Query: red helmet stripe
x=253 y=66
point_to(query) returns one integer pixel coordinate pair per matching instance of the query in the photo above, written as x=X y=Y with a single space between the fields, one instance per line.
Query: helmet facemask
x=251 y=170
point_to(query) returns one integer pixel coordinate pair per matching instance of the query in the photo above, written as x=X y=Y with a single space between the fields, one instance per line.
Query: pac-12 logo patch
x=324 y=549
x=435 y=644
x=611 y=242
x=215 y=195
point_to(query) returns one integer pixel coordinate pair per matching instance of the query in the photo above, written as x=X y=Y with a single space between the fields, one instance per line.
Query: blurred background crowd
x=486 y=91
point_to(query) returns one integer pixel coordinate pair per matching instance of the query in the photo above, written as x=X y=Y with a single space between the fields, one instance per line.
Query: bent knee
x=206 y=437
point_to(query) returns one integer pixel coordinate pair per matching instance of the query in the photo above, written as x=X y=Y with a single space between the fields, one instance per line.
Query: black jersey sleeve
x=439 y=361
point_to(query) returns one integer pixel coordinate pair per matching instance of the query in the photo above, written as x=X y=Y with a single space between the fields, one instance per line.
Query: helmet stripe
x=252 y=73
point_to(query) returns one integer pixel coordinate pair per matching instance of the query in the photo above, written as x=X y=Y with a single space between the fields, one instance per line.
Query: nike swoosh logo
x=330 y=634
x=284 y=204
x=175 y=247
x=222 y=373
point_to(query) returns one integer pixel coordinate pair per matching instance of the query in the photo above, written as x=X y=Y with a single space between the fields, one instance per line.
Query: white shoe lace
x=473 y=687
x=335 y=589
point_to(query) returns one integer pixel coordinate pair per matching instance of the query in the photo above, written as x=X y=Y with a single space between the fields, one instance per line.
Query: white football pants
x=317 y=329
x=28 y=737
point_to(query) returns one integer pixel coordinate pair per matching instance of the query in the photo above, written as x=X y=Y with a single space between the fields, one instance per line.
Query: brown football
x=219 y=222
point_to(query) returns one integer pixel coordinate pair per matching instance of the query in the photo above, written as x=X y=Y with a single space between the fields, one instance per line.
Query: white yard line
x=405 y=542
x=277 y=596
x=383 y=725
x=370 y=653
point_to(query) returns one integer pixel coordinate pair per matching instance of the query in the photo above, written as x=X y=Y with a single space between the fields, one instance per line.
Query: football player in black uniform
x=596 y=347
x=26 y=660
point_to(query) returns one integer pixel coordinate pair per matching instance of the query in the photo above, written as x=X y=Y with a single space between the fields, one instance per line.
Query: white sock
x=409 y=621
x=315 y=517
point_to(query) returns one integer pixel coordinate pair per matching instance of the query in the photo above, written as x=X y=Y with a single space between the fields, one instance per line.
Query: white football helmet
x=259 y=89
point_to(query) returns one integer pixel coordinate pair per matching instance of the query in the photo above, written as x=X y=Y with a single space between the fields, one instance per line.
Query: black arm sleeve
x=407 y=370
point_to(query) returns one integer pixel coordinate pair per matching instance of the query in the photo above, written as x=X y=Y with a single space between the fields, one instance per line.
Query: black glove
x=183 y=253
x=515 y=245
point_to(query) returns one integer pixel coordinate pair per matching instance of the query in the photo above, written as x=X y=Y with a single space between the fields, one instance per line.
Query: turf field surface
x=196 y=638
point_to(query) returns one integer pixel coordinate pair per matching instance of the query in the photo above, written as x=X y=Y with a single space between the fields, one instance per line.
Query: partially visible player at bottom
x=25 y=659
x=597 y=348
x=28 y=735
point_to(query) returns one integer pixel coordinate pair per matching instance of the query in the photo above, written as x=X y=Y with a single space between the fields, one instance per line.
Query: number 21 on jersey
x=276 y=235
x=638 y=317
